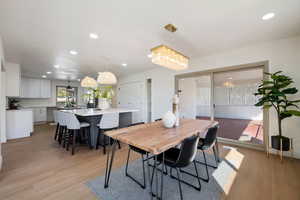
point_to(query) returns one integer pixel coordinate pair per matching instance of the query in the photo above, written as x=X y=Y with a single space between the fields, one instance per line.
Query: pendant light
x=88 y=82
x=69 y=87
x=106 y=78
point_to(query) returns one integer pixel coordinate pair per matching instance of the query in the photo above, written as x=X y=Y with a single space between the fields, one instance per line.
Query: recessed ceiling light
x=78 y=79
x=44 y=76
x=73 y=52
x=124 y=64
x=94 y=36
x=149 y=55
x=268 y=16
x=56 y=66
x=49 y=72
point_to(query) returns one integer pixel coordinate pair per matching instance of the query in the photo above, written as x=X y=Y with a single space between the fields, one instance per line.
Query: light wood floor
x=37 y=168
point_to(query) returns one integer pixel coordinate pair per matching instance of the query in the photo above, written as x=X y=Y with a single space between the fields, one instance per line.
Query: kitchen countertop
x=94 y=112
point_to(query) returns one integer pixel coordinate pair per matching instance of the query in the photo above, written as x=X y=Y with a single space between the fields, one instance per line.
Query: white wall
x=52 y=101
x=282 y=54
x=161 y=93
x=2 y=102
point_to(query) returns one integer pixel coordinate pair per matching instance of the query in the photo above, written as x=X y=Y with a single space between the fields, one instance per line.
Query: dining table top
x=95 y=112
x=155 y=138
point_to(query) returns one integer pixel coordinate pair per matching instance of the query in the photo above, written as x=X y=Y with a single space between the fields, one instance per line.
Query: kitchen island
x=93 y=117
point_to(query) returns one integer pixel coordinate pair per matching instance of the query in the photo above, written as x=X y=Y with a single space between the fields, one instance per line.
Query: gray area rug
x=123 y=188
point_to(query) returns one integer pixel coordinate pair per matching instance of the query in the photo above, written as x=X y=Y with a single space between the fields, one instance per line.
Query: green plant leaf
x=267 y=106
x=294 y=112
x=290 y=91
x=278 y=72
x=285 y=114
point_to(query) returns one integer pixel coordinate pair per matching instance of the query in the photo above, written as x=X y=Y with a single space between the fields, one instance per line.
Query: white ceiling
x=38 y=34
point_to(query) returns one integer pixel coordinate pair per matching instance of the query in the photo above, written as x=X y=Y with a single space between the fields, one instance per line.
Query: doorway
x=227 y=96
x=149 y=100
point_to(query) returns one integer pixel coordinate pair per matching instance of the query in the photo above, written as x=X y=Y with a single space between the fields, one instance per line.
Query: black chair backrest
x=139 y=123
x=211 y=136
x=188 y=151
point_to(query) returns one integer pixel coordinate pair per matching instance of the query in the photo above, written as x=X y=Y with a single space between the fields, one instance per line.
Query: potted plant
x=276 y=92
x=104 y=95
x=89 y=97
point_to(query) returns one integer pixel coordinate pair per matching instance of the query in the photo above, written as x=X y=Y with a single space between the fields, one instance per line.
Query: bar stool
x=108 y=122
x=74 y=126
x=62 y=126
x=55 y=113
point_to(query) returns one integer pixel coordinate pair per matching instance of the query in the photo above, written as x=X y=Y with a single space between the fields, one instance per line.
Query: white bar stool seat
x=109 y=121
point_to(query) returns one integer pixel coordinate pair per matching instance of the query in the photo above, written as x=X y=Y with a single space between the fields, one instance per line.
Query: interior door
x=130 y=95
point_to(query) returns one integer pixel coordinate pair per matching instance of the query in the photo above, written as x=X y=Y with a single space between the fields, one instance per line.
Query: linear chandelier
x=167 y=57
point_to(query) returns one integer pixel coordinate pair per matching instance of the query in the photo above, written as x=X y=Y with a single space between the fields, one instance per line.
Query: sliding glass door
x=226 y=96
x=196 y=97
x=234 y=106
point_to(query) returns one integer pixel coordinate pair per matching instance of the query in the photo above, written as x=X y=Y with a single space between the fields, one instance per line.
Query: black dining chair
x=180 y=158
x=143 y=154
x=207 y=143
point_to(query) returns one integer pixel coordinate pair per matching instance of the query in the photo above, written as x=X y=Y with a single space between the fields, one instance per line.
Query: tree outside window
x=66 y=96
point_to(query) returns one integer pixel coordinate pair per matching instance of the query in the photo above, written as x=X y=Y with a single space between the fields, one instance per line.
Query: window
x=65 y=96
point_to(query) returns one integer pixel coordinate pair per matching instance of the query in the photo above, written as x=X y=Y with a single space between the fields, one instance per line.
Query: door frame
x=264 y=65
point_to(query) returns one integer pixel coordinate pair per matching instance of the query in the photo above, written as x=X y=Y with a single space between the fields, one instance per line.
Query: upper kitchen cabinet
x=45 y=88
x=35 y=88
x=13 y=79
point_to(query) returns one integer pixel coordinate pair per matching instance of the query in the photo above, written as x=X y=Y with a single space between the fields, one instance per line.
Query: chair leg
x=68 y=140
x=56 y=132
x=128 y=175
x=217 y=148
x=216 y=157
x=74 y=141
x=206 y=167
x=60 y=133
x=199 y=183
x=119 y=144
x=179 y=183
x=64 y=137
x=104 y=144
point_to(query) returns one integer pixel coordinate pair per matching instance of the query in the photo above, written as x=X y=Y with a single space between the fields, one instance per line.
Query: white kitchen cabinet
x=13 y=79
x=19 y=123
x=45 y=89
x=40 y=114
x=35 y=88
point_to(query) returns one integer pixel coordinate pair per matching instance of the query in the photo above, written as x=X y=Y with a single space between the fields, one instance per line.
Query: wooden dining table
x=155 y=139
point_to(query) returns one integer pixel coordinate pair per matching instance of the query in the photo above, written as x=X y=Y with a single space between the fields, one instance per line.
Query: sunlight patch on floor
x=226 y=173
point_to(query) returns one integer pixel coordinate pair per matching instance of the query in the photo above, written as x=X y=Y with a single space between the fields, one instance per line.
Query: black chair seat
x=137 y=150
x=171 y=156
x=202 y=145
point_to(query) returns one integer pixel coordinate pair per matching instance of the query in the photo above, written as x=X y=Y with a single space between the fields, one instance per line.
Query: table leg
x=162 y=175
x=149 y=176
x=109 y=163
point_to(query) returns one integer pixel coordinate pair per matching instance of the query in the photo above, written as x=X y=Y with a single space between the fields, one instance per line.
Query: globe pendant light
x=89 y=82
x=106 y=78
